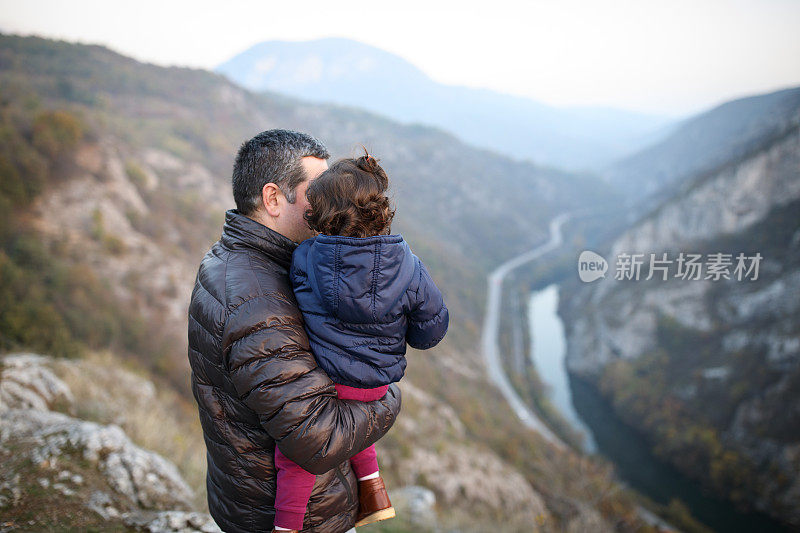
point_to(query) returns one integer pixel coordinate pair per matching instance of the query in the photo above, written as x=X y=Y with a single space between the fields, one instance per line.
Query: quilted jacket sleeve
x=428 y=318
x=275 y=374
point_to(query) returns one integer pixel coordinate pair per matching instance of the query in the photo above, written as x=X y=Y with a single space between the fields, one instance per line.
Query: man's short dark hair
x=272 y=156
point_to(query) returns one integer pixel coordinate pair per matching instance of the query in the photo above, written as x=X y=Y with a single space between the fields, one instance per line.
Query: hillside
x=163 y=146
x=705 y=141
x=709 y=369
x=115 y=175
x=350 y=73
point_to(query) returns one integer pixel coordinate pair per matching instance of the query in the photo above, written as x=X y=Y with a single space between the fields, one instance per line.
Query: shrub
x=56 y=132
x=136 y=175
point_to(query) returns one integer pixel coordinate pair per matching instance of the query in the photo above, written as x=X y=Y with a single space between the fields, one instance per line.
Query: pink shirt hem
x=364 y=395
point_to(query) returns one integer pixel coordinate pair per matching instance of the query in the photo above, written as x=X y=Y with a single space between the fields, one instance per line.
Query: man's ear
x=270 y=197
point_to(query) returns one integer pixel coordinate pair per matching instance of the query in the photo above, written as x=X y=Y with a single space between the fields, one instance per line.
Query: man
x=255 y=380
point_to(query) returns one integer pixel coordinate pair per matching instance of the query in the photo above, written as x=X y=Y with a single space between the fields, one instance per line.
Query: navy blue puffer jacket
x=363 y=299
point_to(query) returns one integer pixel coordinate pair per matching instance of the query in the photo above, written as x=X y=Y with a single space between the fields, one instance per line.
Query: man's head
x=270 y=178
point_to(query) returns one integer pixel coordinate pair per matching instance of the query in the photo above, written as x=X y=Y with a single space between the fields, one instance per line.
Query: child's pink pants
x=295 y=484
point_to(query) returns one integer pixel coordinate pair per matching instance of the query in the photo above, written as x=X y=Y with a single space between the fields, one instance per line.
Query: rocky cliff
x=709 y=368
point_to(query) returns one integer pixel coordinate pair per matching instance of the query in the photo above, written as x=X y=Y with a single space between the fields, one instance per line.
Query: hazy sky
x=669 y=57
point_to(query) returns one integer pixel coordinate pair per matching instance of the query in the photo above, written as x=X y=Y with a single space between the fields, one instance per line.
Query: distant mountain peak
x=346 y=72
x=288 y=65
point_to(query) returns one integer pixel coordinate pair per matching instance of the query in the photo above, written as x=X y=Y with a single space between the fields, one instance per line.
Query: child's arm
x=428 y=317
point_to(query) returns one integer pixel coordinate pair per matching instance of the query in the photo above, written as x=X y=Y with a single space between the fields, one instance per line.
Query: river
x=547 y=353
x=589 y=413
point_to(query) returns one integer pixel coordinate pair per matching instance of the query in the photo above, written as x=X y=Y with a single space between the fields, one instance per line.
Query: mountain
x=709 y=369
x=702 y=142
x=114 y=176
x=350 y=73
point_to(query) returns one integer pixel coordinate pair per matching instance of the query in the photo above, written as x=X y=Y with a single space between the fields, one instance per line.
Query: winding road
x=491 y=329
x=491 y=351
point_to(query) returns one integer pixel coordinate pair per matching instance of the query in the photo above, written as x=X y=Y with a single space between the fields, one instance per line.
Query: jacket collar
x=240 y=230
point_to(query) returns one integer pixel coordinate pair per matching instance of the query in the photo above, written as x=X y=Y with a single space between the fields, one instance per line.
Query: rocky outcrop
x=26 y=384
x=172 y=522
x=78 y=460
x=144 y=478
x=104 y=216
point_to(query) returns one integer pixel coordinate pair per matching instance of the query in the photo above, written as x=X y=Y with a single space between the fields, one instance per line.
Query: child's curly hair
x=349 y=199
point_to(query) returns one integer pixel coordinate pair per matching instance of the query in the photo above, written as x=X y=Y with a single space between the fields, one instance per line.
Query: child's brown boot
x=373 y=502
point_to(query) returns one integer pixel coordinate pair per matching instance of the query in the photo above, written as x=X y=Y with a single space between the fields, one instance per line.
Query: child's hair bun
x=367 y=163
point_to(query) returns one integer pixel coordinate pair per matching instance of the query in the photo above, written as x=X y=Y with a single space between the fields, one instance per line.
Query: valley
x=114 y=177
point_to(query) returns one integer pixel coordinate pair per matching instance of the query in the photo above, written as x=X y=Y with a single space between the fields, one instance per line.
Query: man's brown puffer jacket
x=257 y=385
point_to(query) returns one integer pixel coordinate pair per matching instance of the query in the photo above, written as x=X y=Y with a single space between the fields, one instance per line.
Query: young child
x=363 y=295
